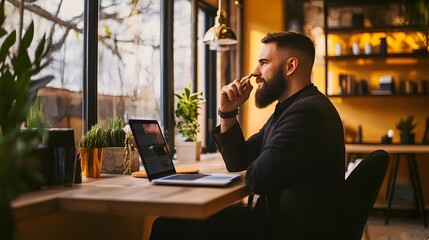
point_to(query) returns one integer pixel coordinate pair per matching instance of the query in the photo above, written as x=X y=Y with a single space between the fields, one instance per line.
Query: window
x=129 y=60
x=62 y=22
x=128 y=57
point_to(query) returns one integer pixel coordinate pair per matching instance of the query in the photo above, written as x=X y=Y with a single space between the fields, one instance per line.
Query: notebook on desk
x=158 y=162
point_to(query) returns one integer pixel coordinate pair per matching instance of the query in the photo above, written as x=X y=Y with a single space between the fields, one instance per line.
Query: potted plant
x=187 y=122
x=119 y=155
x=406 y=127
x=91 y=151
x=59 y=162
x=18 y=89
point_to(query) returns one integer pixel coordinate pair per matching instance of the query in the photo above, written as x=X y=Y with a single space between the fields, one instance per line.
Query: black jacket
x=295 y=163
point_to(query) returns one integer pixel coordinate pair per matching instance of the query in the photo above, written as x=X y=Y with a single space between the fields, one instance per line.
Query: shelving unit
x=349 y=73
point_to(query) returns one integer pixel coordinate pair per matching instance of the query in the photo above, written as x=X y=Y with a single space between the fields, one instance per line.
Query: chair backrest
x=360 y=191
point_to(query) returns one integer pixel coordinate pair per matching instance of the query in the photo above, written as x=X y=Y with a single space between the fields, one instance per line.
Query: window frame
x=90 y=68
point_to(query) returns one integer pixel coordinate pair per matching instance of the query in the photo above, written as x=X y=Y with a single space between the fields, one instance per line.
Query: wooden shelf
x=379 y=56
x=381 y=29
x=380 y=95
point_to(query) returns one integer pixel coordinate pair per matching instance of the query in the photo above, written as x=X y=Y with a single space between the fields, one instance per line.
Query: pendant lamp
x=220 y=36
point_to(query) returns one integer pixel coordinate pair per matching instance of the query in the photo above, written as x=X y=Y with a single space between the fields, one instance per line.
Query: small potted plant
x=406 y=127
x=119 y=155
x=91 y=151
x=187 y=122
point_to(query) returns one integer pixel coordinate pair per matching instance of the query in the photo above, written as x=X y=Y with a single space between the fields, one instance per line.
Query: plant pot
x=407 y=138
x=113 y=160
x=60 y=164
x=91 y=161
x=188 y=151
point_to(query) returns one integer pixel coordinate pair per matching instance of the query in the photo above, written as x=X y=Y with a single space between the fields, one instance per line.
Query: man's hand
x=233 y=96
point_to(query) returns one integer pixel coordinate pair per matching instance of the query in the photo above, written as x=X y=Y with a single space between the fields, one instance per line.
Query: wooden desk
x=128 y=196
x=409 y=151
x=390 y=148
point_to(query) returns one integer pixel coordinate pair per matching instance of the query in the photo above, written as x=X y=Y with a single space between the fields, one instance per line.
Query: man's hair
x=291 y=40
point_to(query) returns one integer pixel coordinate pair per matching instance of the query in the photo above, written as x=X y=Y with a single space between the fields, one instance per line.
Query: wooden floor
x=399 y=228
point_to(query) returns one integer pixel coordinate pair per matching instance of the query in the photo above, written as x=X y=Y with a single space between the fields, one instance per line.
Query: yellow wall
x=260 y=17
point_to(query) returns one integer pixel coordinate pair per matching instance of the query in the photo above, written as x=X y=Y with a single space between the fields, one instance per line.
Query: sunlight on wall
x=260 y=17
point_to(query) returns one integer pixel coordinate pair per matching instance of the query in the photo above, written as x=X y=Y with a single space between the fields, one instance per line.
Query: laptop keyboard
x=186 y=176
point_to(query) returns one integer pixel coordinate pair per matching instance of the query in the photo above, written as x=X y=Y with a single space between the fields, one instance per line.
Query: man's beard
x=271 y=90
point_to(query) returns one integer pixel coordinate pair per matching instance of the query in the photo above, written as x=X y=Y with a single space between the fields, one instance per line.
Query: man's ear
x=291 y=65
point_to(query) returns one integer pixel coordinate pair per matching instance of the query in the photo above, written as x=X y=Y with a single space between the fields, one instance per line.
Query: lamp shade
x=220 y=34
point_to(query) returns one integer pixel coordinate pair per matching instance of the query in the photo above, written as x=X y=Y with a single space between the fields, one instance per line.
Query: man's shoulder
x=311 y=94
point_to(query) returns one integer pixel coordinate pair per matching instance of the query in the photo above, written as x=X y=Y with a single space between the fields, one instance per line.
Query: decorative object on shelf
x=383 y=46
x=347 y=84
x=187 y=122
x=387 y=84
x=425 y=139
x=410 y=87
x=368 y=48
x=406 y=126
x=338 y=49
x=363 y=87
x=423 y=87
x=359 y=134
x=387 y=139
x=19 y=150
x=355 y=48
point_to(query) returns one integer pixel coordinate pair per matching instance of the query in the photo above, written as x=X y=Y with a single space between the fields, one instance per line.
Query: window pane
x=201 y=66
x=182 y=50
x=129 y=60
x=61 y=21
x=183 y=68
x=182 y=44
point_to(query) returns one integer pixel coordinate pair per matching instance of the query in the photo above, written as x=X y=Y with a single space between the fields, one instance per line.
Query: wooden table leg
x=415 y=179
x=392 y=184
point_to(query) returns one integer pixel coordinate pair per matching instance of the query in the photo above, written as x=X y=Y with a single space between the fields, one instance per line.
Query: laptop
x=158 y=163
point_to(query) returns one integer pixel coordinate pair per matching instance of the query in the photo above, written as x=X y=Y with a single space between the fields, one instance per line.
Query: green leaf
x=7 y=44
x=2 y=16
x=28 y=38
x=39 y=83
x=39 y=51
x=21 y=63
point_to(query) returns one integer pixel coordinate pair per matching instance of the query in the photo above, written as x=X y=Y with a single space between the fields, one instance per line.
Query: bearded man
x=295 y=163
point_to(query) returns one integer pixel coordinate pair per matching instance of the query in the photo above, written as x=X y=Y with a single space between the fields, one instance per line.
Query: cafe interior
x=116 y=60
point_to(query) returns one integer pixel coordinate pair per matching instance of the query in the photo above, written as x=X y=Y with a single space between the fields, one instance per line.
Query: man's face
x=271 y=82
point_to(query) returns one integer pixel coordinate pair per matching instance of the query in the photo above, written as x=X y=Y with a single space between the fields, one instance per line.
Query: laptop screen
x=152 y=148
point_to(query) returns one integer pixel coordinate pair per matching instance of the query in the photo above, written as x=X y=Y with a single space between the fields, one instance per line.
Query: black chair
x=360 y=191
